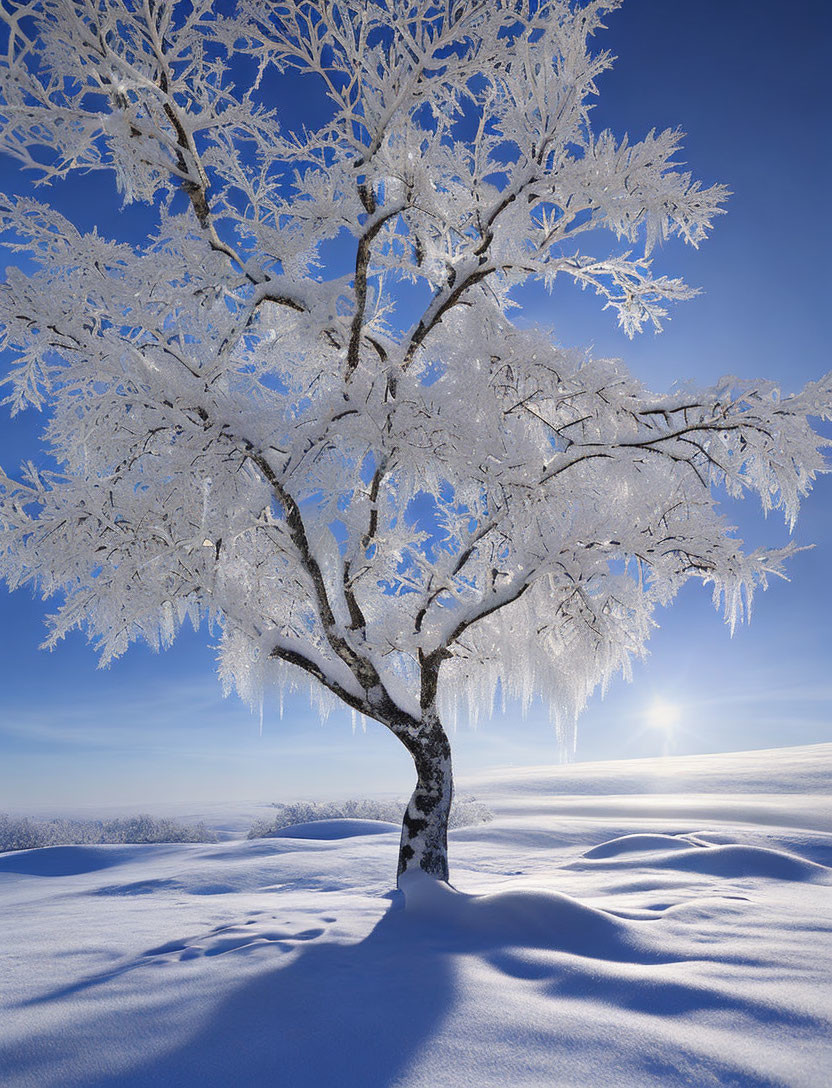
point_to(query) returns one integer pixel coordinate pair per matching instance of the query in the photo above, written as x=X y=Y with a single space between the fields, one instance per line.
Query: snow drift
x=585 y=943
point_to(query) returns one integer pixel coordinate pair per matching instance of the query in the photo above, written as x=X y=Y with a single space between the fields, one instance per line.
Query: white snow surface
x=651 y=922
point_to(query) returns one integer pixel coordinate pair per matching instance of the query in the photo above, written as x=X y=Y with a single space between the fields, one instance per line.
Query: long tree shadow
x=348 y=1015
x=353 y=1015
x=359 y=1015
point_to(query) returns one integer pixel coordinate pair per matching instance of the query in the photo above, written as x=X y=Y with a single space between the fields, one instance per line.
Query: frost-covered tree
x=301 y=412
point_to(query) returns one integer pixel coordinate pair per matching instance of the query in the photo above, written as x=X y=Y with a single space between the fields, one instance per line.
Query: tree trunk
x=424 y=842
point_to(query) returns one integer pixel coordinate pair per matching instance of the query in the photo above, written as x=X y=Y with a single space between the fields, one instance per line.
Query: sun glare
x=662 y=714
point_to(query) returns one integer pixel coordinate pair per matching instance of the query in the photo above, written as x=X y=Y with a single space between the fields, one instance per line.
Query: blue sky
x=749 y=83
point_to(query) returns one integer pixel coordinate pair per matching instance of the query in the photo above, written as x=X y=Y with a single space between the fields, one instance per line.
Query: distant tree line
x=464 y=812
x=24 y=833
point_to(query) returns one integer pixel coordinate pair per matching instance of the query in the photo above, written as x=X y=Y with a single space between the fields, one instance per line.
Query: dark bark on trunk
x=424 y=841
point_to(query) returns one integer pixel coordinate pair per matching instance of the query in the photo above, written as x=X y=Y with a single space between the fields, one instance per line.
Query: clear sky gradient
x=748 y=80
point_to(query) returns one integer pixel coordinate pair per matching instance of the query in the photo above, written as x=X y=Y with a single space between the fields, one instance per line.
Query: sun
x=663 y=715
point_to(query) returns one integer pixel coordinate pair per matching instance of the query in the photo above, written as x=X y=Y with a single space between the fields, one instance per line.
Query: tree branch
x=362 y=261
x=462 y=559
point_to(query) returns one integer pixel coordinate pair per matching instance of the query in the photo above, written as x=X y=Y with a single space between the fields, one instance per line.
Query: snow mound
x=530 y=919
x=757 y=861
x=630 y=844
x=726 y=861
x=335 y=829
x=73 y=860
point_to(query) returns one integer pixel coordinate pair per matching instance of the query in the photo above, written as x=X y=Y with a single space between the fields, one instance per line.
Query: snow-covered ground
x=640 y=923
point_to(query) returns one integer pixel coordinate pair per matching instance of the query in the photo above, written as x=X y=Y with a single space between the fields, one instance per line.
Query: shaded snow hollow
x=622 y=924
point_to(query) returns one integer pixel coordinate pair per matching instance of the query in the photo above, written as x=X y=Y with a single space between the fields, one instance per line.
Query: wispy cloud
x=170 y=713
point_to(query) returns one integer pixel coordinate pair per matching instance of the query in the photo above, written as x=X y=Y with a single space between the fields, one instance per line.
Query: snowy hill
x=640 y=923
